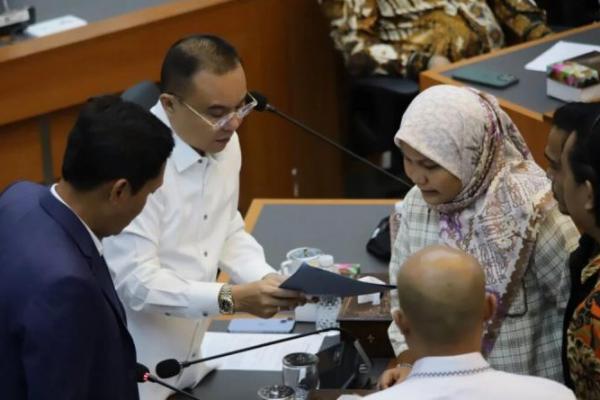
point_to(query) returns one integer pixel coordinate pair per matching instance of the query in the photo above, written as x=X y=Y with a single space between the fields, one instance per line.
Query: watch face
x=226 y=303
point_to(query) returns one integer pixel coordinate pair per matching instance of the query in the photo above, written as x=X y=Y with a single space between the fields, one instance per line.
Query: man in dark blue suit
x=63 y=333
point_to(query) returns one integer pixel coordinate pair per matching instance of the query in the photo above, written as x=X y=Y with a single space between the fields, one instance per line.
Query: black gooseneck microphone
x=143 y=375
x=171 y=367
x=263 y=105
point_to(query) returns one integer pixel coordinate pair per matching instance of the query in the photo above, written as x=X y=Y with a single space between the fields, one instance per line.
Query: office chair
x=144 y=94
x=565 y=14
x=375 y=107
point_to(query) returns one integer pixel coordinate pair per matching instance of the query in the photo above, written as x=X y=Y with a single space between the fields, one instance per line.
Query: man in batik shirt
x=404 y=37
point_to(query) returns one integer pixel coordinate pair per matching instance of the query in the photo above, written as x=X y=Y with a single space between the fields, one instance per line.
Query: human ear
x=491 y=304
x=401 y=321
x=118 y=190
x=167 y=100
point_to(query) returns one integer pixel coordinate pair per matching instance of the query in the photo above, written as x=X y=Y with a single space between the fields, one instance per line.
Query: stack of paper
x=263 y=359
x=559 y=52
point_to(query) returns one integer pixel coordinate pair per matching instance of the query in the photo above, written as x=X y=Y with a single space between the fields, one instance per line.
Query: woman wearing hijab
x=478 y=189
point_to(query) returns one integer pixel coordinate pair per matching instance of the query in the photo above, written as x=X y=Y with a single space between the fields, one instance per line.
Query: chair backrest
x=376 y=107
x=144 y=93
x=569 y=13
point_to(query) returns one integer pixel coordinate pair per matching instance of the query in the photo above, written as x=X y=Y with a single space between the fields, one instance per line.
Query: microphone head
x=168 y=368
x=141 y=373
x=262 y=102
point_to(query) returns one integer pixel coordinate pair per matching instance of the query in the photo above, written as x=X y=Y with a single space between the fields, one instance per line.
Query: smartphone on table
x=260 y=325
x=485 y=76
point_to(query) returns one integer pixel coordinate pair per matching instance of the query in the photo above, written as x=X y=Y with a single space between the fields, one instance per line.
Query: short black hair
x=193 y=54
x=571 y=116
x=112 y=139
x=584 y=160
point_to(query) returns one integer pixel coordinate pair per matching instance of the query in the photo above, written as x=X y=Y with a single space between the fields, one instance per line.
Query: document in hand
x=315 y=281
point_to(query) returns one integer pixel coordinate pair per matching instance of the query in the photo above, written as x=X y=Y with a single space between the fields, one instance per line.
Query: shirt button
x=205 y=217
x=194 y=355
x=205 y=314
x=199 y=161
x=206 y=254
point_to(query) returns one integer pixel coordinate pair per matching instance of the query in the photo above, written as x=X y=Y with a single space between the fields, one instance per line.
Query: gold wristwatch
x=225 y=300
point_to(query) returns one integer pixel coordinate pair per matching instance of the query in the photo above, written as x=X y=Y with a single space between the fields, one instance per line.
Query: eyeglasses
x=240 y=113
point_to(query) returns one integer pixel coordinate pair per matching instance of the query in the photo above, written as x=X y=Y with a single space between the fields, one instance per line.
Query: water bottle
x=328 y=306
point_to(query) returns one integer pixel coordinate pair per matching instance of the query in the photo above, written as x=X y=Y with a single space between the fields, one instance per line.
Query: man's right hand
x=264 y=298
x=393 y=376
x=401 y=367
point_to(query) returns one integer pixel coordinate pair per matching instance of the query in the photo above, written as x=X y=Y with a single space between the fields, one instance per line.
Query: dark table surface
x=235 y=385
x=340 y=230
x=530 y=92
x=89 y=10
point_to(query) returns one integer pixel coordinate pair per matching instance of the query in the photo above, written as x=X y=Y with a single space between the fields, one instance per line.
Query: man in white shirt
x=165 y=262
x=444 y=308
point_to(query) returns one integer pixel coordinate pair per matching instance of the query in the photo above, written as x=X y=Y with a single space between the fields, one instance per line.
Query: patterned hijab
x=504 y=195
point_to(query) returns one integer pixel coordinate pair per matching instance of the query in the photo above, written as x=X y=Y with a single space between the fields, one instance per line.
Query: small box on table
x=369 y=323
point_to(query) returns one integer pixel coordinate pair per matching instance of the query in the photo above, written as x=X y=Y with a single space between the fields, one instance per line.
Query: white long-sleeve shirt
x=165 y=263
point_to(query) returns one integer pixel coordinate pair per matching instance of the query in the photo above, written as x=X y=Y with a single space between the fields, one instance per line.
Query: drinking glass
x=300 y=373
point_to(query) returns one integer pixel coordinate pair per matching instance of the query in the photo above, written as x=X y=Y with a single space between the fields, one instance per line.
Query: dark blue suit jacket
x=62 y=328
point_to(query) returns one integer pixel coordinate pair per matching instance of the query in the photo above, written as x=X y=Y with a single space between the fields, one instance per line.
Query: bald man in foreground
x=444 y=307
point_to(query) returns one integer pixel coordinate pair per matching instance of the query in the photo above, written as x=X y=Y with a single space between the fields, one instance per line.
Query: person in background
x=444 y=308
x=165 y=263
x=63 y=332
x=478 y=189
x=405 y=37
x=579 y=179
x=567 y=119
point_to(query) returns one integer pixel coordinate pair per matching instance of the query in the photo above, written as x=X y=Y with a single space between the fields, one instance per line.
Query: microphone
x=143 y=375
x=171 y=367
x=263 y=105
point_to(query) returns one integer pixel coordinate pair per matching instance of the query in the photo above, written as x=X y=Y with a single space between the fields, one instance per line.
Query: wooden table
x=534 y=123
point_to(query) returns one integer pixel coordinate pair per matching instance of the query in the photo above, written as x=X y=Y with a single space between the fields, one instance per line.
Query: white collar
x=183 y=156
x=452 y=365
x=97 y=241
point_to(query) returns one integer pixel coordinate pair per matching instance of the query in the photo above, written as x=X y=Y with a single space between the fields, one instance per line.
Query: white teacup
x=297 y=256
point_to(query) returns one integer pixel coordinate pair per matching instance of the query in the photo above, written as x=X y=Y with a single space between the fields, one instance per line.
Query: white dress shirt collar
x=95 y=239
x=184 y=155
x=449 y=364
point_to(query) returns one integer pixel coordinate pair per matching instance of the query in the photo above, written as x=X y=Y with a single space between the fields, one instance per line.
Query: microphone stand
x=144 y=376
x=257 y=346
x=171 y=367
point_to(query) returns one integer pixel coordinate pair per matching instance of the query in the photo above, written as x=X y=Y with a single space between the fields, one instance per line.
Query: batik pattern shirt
x=583 y=339
x=398 y=37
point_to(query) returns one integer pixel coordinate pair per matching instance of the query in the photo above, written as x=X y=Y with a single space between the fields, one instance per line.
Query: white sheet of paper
x=560 y=51
x=263 y=359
